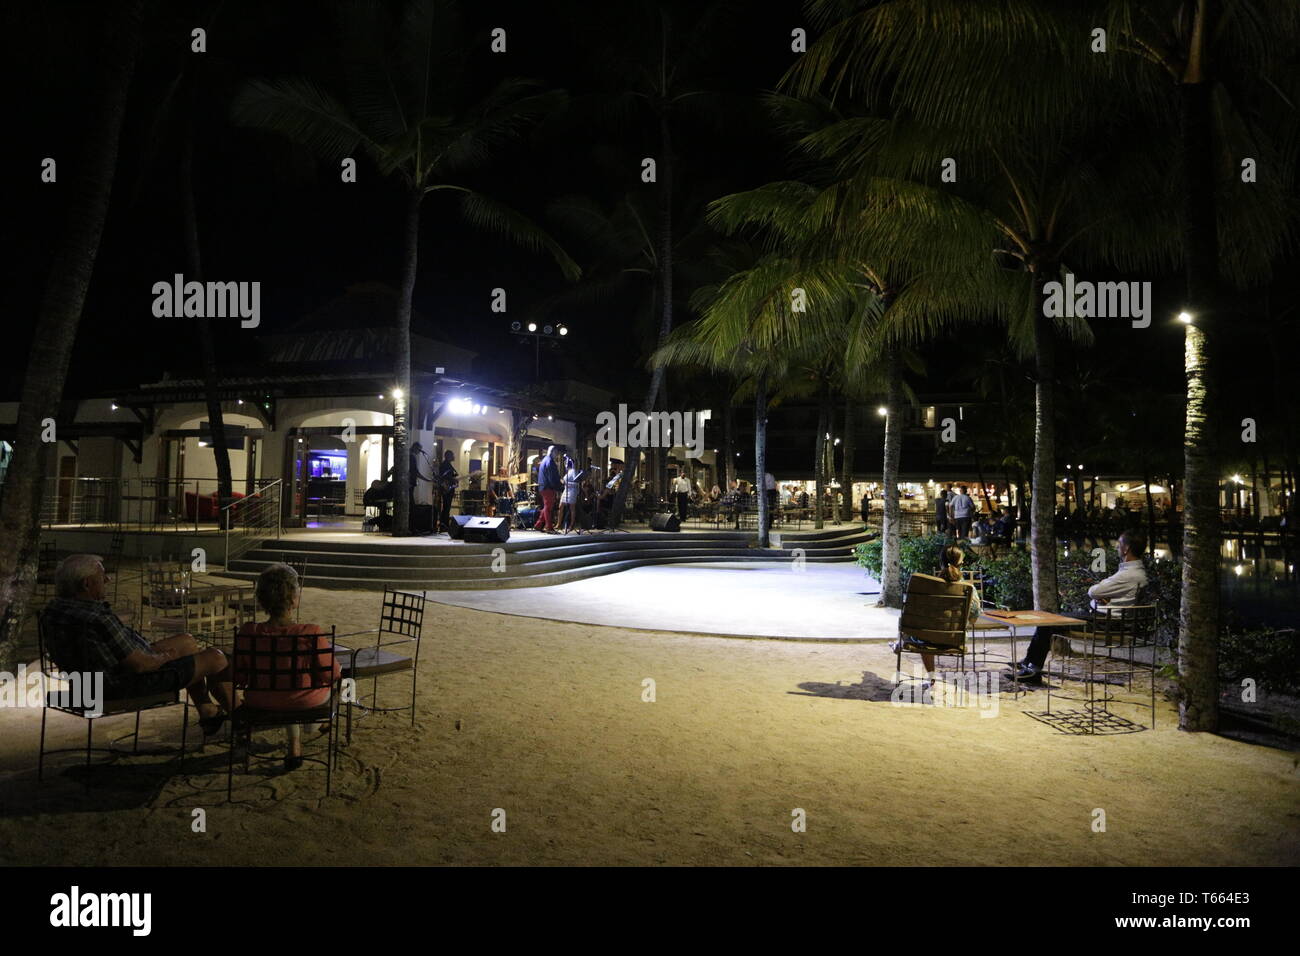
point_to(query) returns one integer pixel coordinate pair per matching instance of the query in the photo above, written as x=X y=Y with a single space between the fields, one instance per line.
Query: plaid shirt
x=87 y=636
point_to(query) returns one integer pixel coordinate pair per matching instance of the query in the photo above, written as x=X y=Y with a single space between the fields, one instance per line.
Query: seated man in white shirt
x=1121 y=589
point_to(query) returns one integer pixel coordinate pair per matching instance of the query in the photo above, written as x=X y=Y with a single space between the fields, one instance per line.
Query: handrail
x=251 y=519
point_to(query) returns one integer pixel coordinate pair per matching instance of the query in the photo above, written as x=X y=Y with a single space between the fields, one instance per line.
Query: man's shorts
x=172 y=676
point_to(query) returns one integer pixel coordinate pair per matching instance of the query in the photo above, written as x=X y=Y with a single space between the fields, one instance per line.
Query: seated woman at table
x=278 y=594
x=952 y=558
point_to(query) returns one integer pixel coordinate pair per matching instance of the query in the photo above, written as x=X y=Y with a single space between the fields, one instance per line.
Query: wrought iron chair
x=1107 y=661
x=293 y=662
x=63 y=701
x=165 y=589
x=47 y=563
x=396 y=649
x=114 y=563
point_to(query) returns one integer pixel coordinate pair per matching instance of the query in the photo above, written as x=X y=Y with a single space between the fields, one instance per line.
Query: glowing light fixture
x=1185 y=317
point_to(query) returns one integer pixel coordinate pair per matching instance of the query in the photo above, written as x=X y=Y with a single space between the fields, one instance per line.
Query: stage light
x=532 y=326
x=882 y=410
x=564 y=330
x=113 y=406
x=1185 y=318
x=397 y=394
x=381 y=398
x=547 y=330
x=514 y=326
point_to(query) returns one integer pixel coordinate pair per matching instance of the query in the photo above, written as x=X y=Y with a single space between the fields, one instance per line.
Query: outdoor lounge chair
x=934 y=617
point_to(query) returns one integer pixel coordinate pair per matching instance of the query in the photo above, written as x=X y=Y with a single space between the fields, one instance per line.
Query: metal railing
x=249 y=520
x=144 y=503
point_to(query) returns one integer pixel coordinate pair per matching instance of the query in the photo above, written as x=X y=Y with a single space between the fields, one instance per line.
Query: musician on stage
x=448 y=477
x=413 y=473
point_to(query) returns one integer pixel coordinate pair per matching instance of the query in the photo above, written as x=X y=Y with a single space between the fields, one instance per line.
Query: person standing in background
x=682 y=493
x=550 y=483
x=961 y=508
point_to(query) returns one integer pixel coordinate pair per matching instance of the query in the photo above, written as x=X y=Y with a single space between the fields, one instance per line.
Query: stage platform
x=823 y=602
x=529 y=559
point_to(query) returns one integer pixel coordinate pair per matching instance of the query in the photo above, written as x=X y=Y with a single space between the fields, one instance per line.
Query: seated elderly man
x=84 y=635
x=1121 y=589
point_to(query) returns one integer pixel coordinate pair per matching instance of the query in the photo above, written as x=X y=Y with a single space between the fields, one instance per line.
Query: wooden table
x=1010 y=620
x=1034 y=619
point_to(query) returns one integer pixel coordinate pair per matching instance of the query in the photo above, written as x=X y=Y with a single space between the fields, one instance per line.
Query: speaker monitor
x=481 y=530
x=665 y=521
x=422 y=519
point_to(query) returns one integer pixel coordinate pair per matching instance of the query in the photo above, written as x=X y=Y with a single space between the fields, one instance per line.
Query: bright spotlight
x=397 y=394
x=882 y=410
x=1185 y=318
x=564 y=330
x=532 y=326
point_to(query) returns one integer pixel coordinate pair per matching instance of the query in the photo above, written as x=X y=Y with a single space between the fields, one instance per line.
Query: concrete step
x=416 y=578
x=532 y=563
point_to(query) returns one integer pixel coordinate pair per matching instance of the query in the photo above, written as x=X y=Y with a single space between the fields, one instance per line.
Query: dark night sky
x=271 y=212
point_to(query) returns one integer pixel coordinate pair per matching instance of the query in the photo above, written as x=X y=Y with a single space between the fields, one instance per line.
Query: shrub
x=917 y=555
x=1008 y=578
x=1271 y=657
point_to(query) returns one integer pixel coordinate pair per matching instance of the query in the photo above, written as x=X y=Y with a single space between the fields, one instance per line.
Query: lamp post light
x=552 y=333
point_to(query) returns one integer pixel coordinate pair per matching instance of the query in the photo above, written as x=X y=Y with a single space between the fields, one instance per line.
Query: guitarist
x=447 y=480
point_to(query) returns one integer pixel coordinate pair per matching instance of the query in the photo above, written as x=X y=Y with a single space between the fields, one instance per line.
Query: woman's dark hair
x=952 y=559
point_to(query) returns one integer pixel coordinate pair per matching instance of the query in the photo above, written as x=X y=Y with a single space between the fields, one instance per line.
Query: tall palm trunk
x=819 y=457
x=728 y=445
x=73 y=263
x=402 y=398
x=1042 y=533
x=984 y=487
x=211 y=381
x=846 y=466
x=1198 y=630
x=665 y=306
x=760 y=457
x=891 y=576
x=1151 y=505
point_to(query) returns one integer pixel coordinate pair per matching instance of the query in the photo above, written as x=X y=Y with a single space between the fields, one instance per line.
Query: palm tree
x=661 y=52
x=1226 y=70
x=1027 y=155
x=72 y=264
x=405 y=106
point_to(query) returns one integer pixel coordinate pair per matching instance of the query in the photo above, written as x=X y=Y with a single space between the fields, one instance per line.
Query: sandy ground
x=546 y=722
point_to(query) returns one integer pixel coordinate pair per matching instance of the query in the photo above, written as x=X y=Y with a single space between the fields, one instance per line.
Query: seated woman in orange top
x=278 y=594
